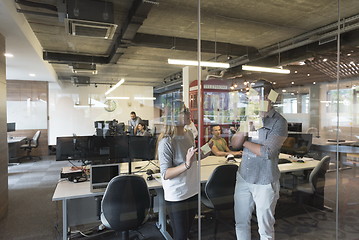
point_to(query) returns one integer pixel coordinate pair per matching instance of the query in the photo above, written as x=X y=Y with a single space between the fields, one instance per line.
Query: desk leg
x=64 y=220
x=161 y=224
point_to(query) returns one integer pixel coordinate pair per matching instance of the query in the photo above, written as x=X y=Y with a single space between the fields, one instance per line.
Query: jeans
x=264 y=198
x=182 y=214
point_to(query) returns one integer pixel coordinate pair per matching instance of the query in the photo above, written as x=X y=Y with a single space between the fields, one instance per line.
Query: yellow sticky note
x=273 y=95
x=252 y=92
x=243 y=126
x=263 y=106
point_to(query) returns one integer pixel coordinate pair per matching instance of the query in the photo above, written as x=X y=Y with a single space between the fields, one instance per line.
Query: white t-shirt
x=171 y=153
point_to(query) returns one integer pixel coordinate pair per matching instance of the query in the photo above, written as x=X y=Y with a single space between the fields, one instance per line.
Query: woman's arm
x=173 y=172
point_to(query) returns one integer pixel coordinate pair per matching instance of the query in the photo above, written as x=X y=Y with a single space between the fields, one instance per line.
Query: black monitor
x=72 y=148
x=11 y=127
x=108 y=149
x=294 y=127
x=142 y=147
x=297 y=144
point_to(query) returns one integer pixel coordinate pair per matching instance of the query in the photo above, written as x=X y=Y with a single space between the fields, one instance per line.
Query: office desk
x=66 y=191
x=13 y=145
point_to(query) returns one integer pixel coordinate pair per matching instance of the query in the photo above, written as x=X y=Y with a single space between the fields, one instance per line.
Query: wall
x=66 y=119
x=3 y=134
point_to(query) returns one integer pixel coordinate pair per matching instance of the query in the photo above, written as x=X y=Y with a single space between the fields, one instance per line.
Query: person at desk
x=258 y=175
x=220 y=147
x=142 y=129
x=133 y=123
x=179 y=174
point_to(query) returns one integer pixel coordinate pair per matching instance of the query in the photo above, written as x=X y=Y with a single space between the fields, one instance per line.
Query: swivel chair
x=31 y=143
x=219 y=190
x=125 y=204
x=312 y=193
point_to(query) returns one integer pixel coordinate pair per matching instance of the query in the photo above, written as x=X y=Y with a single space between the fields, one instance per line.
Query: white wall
x=65 y=119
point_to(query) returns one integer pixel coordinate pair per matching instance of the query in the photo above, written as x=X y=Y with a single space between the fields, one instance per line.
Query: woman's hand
x=189 y=156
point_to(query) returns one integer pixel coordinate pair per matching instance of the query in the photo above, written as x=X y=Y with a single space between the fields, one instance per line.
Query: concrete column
x=3 y=134
x=189 y=73
x=314 y=106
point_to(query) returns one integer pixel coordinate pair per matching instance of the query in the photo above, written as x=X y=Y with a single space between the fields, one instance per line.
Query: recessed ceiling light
x=292 y=83
x=274 y=83
x=308 y=74
x=284 y=90
x=325 y=59
x=295 y=71
x=32 y=74
x=314 y=83
x=349 y=54
x=9 y=55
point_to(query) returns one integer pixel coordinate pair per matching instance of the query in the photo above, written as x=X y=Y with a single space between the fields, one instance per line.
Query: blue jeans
x=264 y=198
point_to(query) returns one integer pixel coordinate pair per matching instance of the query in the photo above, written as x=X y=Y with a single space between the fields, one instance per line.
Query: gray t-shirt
x=264 y=169
x=171 y=153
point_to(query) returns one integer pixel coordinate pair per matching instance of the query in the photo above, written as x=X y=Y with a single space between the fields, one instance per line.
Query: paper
x=205 y=148
x=263 y=106
x=273 y=95
x=243 y=126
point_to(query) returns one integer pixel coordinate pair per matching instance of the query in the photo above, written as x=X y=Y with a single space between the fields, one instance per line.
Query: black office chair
x=312 y=192
x=219 y=190
x=125 y=204
x=31 y=143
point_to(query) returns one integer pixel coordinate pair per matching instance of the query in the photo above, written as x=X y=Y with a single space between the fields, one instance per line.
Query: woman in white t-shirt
x=179 y=173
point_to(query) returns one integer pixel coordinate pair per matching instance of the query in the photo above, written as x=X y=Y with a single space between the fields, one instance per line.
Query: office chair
x=125 y=204
x=219 y=190
x=312 y=192
x=30 y=144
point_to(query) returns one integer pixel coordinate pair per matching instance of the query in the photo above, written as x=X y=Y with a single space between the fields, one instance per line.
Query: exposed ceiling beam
x=186 y=44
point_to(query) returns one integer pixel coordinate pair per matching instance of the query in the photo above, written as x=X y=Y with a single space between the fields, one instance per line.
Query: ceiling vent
x=83 y=68
x=80 y=80
x=90 y=18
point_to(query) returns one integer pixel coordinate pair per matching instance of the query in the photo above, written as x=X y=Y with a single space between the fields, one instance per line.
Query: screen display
x=11 y=127
x=104 y=173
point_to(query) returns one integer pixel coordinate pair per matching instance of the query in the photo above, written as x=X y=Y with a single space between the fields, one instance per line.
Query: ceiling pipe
x=37 y=5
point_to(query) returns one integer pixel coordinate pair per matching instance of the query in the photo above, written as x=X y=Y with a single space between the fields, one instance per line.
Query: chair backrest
x=126 y=203
x=317 y=176
x=35 y=139
x=220 y=186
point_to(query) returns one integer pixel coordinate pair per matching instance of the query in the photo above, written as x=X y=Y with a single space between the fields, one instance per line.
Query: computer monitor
x=11 y=127
x=297 y=144
x=142 y=147
x=72 y=148
x=294 y=127
x=108 y=149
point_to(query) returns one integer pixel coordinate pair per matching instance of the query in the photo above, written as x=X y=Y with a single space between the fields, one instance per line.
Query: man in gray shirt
x=258 y=175
x=133 y=123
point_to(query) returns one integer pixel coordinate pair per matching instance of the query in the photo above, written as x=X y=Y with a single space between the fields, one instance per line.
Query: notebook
x=101 y=175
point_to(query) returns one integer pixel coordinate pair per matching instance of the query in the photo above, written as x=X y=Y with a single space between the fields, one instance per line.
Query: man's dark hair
x=133 y=113
x=215 y=125
x=263 y=83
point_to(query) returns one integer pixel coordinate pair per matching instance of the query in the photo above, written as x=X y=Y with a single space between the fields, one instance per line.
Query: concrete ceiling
x=267 y=33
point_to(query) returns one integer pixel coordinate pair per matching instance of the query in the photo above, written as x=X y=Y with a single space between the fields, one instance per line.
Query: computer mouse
x=300 y=161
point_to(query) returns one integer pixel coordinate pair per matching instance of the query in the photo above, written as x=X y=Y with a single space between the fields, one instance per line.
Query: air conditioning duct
x=80 y=80
x=90 y=18
x=83 y=68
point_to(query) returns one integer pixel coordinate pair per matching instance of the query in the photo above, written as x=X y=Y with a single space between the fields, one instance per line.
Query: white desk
x=66 y=190
x=13 y=145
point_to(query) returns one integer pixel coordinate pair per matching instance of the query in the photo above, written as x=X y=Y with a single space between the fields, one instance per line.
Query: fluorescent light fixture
x=195 y=63
x=114 y=87
x=265 y=69
x=145 y=98
x=118 y=98
x=10 y=55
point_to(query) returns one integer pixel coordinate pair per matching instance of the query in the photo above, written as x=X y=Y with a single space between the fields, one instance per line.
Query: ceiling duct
x=90 y=18
x=83 y=68
x=80 y=80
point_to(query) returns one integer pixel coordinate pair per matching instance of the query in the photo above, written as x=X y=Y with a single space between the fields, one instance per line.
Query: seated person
x=220 y=147
x=142 y=129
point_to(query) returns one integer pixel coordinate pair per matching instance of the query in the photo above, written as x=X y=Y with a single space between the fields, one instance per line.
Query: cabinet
x=220 y=105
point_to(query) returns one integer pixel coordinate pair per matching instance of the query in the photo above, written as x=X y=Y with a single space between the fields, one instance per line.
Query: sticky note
x=273 y=95
x=263 y=106
x=205 y=148
x=243 y=126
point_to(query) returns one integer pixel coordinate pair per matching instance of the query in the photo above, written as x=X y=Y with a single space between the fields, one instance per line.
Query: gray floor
x=33 y=215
